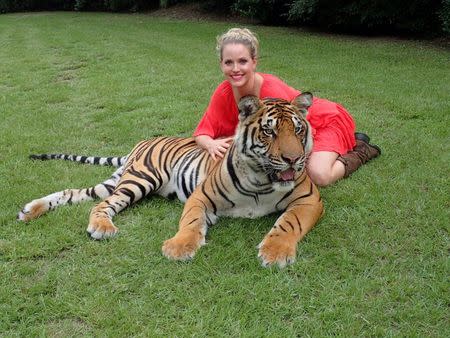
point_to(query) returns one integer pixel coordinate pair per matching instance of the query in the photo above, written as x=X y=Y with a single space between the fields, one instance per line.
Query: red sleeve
x=209 y=125
x=220 y=118
x=205 y=126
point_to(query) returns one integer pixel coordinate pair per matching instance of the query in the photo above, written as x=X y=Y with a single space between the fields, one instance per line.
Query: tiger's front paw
x=101 y=228
x=183 y=245
x=277 y=250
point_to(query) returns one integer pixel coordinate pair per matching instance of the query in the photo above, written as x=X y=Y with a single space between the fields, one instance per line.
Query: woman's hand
x=215 y=147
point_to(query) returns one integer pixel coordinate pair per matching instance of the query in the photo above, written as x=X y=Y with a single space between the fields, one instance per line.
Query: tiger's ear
x=248 y=105
x=303 y=102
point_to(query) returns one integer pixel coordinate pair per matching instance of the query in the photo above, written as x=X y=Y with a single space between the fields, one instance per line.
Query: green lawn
x=377 y=264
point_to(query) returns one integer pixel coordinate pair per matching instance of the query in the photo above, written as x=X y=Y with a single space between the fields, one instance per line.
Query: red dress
x=333 y=127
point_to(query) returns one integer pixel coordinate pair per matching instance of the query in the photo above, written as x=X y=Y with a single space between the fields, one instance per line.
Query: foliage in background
x=444 y=16
x=35 y=5
x=366 y=16
x=417 y=16
x=426 y=17
x=430 y=17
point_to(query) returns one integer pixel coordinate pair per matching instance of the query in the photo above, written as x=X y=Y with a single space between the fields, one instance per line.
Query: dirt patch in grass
x=69 y=327
x=194 y=12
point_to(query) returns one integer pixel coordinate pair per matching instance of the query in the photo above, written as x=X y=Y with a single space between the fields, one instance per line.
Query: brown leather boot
x=362 y=153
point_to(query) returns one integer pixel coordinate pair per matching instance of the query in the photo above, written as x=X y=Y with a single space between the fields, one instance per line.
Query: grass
x=376 y=264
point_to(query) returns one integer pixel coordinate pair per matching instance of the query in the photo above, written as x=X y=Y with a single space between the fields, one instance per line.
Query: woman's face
x=237 y=64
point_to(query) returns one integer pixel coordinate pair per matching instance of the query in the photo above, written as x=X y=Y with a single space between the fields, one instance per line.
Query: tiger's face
x=275 y=135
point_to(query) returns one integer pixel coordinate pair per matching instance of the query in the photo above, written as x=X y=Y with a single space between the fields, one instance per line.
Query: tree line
x=424 y=17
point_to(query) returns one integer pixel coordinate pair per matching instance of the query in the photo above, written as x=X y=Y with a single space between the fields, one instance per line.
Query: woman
x=336 y=152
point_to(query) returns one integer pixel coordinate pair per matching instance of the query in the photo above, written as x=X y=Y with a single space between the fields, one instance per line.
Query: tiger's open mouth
x=283 y=176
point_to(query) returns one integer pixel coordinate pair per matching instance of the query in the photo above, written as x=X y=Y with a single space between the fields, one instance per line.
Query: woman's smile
x=237 y=77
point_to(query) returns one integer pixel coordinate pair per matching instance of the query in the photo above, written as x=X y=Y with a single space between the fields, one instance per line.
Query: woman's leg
x=324 y=168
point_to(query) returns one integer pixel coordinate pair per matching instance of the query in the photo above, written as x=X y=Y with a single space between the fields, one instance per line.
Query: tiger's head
x=275 y=135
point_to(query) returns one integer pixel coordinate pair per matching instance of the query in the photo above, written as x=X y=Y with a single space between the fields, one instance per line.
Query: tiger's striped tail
x=40 y=206
x=95 y=160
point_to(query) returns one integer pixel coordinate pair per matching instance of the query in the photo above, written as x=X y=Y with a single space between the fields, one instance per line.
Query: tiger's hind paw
x=277 y=250
x=102 y=228
x=32 y=210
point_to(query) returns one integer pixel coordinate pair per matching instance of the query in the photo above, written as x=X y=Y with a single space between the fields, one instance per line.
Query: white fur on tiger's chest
x=249 y=207
x=248 y=212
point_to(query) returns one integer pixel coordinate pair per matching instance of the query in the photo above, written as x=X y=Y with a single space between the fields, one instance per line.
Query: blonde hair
x=238 y=35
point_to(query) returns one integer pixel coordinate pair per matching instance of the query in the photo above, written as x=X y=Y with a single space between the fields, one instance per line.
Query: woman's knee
x=322 y=168
x=320 y=177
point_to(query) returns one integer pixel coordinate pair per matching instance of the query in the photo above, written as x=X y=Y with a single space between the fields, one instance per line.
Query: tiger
x=262 y=172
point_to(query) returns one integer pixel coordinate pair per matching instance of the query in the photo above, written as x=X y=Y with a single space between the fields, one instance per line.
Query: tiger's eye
x=268 y=131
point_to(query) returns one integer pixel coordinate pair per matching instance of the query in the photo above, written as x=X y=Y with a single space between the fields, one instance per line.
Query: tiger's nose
x=290 y=159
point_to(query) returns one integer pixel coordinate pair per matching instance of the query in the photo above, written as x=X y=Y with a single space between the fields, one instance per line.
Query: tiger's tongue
x=287 y=175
